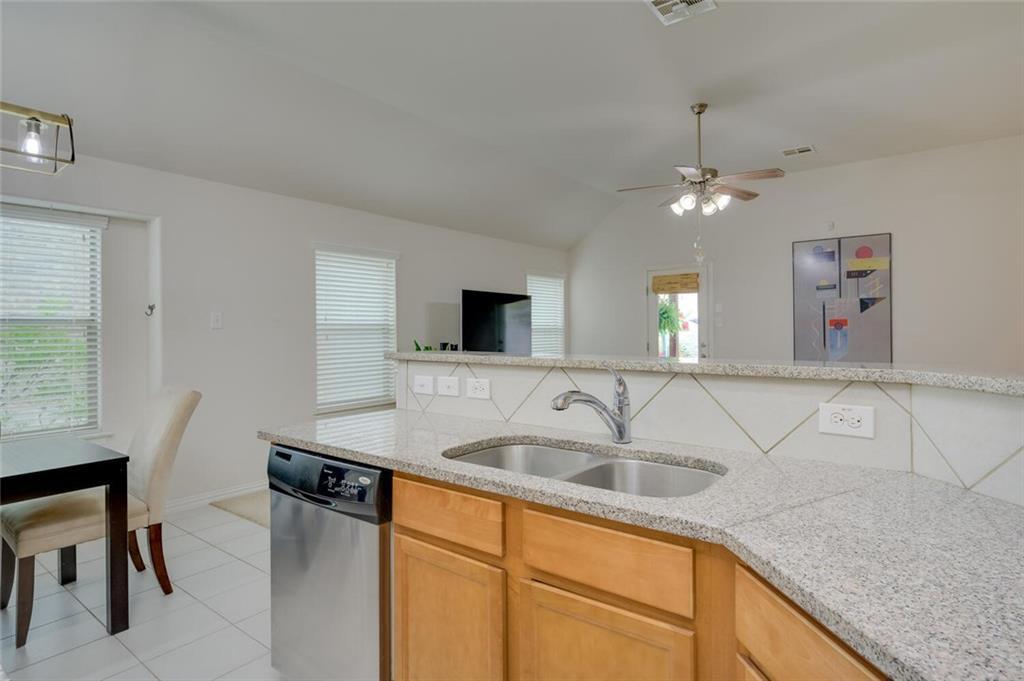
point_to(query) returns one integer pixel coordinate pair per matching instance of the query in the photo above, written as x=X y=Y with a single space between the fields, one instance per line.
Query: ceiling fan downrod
x=698 y=109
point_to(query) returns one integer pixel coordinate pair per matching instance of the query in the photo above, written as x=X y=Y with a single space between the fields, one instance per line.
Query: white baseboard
x=197 y=500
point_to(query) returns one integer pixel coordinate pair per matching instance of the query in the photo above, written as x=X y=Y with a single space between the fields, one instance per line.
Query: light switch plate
x=216 y=321
x=844 y=419
x=423 y=385
x=478 y=388
x=448 y=385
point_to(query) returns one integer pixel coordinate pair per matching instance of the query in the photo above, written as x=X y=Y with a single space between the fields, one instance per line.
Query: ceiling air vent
x=672 y=11
x=798 y=151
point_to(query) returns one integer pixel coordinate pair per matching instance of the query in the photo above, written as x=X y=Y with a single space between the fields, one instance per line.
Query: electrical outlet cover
x=448 y=385
x=423 y=385
x=846 y=419
x=478 y=388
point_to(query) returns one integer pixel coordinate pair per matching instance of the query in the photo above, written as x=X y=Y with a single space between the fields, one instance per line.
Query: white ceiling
x=511 y=119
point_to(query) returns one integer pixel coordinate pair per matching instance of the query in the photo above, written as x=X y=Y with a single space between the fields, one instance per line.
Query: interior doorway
x=678 y=313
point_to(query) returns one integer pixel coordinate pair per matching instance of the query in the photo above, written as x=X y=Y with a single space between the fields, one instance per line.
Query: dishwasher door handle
x=313 y=499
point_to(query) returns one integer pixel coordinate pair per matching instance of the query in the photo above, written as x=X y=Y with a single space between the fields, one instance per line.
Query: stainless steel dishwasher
x=330 y=567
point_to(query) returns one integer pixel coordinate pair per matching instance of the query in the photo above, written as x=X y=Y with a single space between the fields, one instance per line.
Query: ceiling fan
x=704 y=185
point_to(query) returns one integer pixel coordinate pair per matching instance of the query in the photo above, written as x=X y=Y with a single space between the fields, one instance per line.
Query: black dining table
x=40 y=467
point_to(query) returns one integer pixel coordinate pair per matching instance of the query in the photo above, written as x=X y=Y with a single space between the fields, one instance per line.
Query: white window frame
x=565 y=297
x=93 y=322
x=352 y=405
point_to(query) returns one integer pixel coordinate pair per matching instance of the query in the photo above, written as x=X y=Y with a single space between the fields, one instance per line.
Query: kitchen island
x=921 y=579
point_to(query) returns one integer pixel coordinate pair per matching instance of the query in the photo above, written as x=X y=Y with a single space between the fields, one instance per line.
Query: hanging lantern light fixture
x=36 y=141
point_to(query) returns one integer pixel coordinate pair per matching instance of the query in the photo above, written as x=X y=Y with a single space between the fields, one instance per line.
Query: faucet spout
x=615 y=417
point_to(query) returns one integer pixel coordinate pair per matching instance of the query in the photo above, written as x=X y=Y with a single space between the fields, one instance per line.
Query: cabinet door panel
x=564 y=636
x=449 y=615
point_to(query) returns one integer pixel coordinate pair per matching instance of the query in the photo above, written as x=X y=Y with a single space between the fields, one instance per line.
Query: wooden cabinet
x=746 y=671
x=784 y=642
x=449 y=615
x=467 y=519
x=489 y=587
x=566 y=636
x=641 y=569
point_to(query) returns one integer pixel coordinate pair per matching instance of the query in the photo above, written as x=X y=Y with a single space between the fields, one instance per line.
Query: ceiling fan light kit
x=703 y=185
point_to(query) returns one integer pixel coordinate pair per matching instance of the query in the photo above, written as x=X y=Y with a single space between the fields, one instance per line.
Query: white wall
x=125 y=330
x=958 y=257
x=248 y=254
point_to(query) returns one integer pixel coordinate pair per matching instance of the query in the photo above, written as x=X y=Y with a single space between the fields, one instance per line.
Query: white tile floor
x=216 y=624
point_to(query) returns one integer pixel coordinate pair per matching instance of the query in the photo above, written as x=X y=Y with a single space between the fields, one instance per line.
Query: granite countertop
x=923 y=579
x=1002 y=384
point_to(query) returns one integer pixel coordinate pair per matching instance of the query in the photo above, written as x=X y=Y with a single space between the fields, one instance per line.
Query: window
x=49 y=321
x=547 y=306
x=355 y=326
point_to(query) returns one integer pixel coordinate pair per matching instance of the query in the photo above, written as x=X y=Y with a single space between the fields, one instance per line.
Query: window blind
x=547 y=306
x=355 y=326
x=50 y=321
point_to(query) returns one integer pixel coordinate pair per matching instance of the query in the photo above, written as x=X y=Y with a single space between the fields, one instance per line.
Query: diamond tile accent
x=510 y=385
x=889 y=449
x=927 y=459
x=769 y=408
x=643 y=385
x=462 y=405
x=974 y=431
x=536 y=410
x=684 y=412
x=899 y=392
x=1006 y=482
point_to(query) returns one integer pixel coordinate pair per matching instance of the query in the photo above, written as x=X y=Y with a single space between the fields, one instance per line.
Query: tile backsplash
x=970 y=439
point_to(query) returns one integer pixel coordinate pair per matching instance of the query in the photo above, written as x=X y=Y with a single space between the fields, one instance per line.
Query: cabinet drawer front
x=566 y=636
x=456 y=516
x=784 y=642
x=644 y=570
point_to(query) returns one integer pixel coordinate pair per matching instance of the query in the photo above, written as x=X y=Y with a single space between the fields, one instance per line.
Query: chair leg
x=7 y=565
x=156 y=555
x=26 y=585
x=67 y=565
x=133 y=551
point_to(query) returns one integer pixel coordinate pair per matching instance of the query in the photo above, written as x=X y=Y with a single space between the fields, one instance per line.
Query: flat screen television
x=496 y=322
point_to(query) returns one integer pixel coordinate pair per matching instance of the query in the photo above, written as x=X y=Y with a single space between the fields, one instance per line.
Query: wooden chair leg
x=133 y=551
x=26 y=584
x=156 y=555
x=67 y=565
x=7 y=566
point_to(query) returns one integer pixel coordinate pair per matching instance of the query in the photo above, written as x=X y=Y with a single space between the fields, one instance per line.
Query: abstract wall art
x=842 y=299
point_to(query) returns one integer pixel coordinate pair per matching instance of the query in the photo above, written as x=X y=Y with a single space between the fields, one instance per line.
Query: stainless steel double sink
x=619 y=474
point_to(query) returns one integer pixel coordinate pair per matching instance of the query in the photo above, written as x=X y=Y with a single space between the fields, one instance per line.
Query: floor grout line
x=85 y=609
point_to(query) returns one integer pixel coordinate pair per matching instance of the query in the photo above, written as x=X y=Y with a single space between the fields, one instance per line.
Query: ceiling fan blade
x=735 y=192
x=652 y=186
x=690 y=173
x=675 y=197
x=766 y=174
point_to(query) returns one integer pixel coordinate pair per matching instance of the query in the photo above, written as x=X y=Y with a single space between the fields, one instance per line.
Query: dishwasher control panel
x=339 y=482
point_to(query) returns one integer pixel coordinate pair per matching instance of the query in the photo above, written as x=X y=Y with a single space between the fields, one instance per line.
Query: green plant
x=668 y=318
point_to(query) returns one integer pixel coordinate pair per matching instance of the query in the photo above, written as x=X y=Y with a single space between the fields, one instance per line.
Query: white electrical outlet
x=216 y=321
x=478 y=388
x=844 y=419
x=448 y=385
x=423 y=385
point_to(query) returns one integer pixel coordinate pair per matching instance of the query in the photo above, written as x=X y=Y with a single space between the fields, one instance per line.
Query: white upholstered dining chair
x=63 y=521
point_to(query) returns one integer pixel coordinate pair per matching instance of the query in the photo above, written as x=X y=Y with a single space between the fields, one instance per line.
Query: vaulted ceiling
x=511 y=119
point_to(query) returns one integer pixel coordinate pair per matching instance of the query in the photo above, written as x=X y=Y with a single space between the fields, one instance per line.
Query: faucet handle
x=620 y=394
